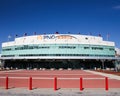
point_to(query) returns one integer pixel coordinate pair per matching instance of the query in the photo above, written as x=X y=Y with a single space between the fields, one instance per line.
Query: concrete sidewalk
x=105 y=74
x=60 y=92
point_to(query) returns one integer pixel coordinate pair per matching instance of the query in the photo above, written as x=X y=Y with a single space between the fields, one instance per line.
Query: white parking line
x=57 y=78
x=10 y=71
x=46 y=74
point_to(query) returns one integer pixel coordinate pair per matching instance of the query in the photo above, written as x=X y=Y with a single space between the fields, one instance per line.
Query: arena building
x=74 y=51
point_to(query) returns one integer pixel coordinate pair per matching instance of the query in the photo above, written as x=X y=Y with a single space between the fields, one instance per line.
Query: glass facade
x=58 y=50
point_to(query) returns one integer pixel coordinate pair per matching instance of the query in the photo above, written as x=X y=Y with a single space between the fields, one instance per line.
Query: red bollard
x=6 y=82
x=106 y=83
x=55 y=83
x=30 y=83
x=81 y=84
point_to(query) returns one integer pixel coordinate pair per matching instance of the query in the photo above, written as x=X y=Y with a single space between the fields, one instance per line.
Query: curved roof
x=59 y=39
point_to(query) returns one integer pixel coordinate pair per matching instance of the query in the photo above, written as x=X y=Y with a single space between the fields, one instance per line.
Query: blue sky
x=48 y=16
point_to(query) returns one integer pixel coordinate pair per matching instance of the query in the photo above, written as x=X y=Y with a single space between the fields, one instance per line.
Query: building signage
x=40 y=37
x=49 y=37
x=64 y=37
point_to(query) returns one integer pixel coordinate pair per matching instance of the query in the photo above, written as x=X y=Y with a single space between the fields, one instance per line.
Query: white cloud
x=117 y=7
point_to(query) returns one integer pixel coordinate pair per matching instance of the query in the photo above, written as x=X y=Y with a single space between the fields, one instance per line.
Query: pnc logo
x=49 y=36
x=39 y=37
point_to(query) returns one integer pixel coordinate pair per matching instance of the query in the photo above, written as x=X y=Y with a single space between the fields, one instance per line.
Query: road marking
x=57 y=78
x=46 y=74
x=8 y=71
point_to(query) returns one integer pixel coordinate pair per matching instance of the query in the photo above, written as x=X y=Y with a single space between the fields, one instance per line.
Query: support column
x=117 y=65
x=103 y=65
x=2 y=63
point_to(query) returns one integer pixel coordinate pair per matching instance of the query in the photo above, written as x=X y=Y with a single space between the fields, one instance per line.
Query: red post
x=81 y=84
x=30 y=83
x=55 y=83
x=106 y=83
x=6 y=82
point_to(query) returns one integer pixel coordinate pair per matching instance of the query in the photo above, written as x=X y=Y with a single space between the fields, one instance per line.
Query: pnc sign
x=41 y=37
x=49 y=37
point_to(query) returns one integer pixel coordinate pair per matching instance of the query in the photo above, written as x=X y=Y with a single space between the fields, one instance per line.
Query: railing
x=55 y=87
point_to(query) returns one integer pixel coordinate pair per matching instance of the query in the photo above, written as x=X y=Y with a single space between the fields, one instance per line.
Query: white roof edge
x=69 y=39
x=61 y=57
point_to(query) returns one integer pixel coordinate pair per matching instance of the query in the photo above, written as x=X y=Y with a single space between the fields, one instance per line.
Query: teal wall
x=54 y=49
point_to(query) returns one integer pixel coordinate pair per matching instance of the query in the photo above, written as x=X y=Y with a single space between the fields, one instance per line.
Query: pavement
x=64 y=91
x=60 y=92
